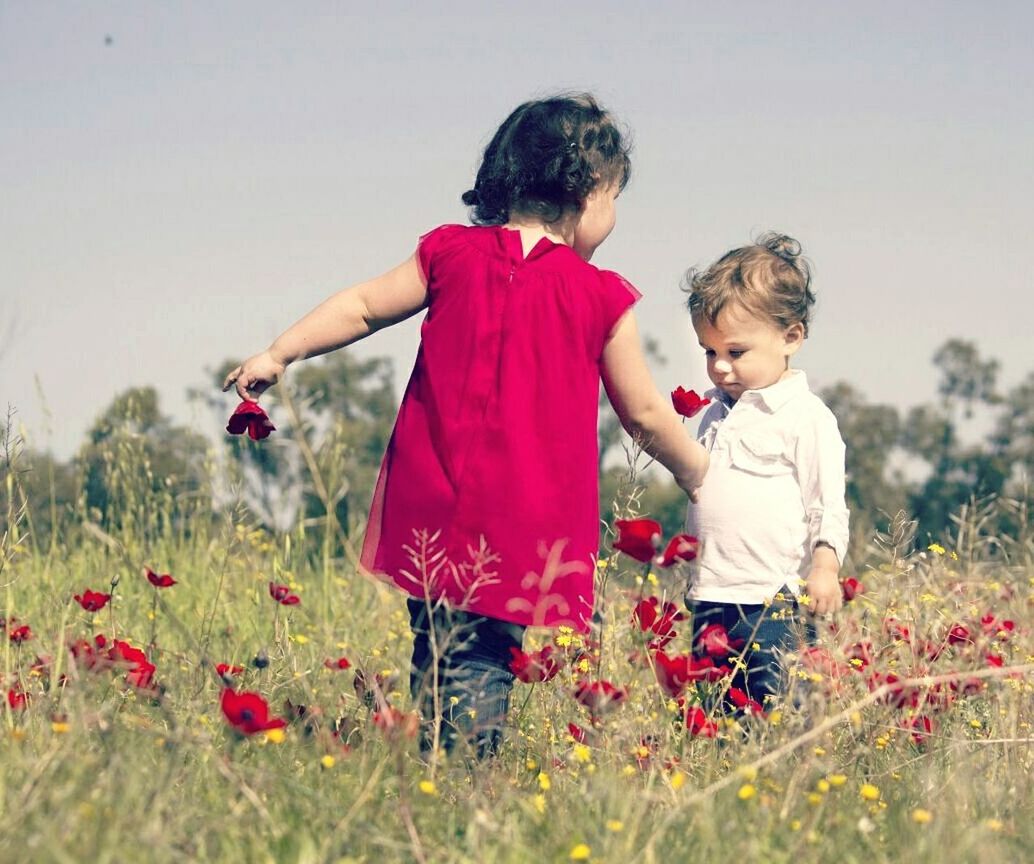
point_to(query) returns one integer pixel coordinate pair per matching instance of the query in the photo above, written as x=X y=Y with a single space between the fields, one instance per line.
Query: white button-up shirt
x=774 y=489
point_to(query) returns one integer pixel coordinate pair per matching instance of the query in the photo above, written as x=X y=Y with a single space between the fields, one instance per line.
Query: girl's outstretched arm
x=340 y=320
x=644 y=413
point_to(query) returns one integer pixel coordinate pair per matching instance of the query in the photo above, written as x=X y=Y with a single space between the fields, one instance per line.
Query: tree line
x=335 y=418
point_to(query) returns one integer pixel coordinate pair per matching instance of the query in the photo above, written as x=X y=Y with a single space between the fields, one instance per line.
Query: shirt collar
x=773 y=397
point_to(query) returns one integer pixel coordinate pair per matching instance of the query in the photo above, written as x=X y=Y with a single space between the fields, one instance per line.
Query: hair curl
x=545 y=160
x=770 y=278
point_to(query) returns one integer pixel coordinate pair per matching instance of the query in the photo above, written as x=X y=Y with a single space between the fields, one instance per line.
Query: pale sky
x=181 y=181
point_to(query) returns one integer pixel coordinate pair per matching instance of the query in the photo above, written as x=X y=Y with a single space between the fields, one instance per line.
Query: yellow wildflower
x=615 y=825
x=921 y=816
x=869 y=792
x=747 y=791
x=580 y=852
x=328 y=761
x=427 y=787
x=544 y=782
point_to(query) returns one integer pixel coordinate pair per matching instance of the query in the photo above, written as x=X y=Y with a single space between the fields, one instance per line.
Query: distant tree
x=871 y=434
x=958 y=470
x=137 y=464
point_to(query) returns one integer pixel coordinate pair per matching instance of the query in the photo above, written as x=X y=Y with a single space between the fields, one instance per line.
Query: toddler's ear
x=793 y=338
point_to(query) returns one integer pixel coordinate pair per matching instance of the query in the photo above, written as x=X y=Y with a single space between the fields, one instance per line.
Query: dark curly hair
x=770 y=278
x=546 y=158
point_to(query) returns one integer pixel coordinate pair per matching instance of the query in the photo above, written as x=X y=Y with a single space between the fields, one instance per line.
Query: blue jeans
x=472 y=694
x=769 y=632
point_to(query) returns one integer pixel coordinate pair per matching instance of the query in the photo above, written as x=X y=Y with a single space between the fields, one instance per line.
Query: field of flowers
x=201 y=689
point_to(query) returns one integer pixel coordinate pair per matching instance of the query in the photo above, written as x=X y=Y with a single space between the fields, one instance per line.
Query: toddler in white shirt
x=771 y=515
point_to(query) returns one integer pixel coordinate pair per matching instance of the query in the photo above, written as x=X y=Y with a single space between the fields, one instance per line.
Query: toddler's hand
x=255 y=375
x=824 y=590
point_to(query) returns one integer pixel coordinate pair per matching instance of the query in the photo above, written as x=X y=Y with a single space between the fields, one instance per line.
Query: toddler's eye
x=739 y=352
x=708 y=352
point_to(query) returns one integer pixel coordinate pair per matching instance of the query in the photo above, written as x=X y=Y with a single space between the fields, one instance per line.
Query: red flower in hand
x=636 y=538
x=534 y=666
x=688 y=403
x=159 y=580
x=600 y=696
x=249 y=417
x=714 y=641
x=92 y=601
x=340 y=663
x=851 y=588
x=681 y=547
x=282 y=594
x=248 y=712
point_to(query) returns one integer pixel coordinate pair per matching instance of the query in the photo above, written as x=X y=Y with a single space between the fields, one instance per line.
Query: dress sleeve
x=820 y=469
x=619 y=295
x=430 y=245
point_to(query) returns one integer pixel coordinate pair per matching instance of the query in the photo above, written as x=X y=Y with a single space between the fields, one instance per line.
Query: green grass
x=93 y=770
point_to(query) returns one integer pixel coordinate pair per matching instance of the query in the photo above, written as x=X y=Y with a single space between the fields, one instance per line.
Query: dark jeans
x=472 y=692
x=769 y=632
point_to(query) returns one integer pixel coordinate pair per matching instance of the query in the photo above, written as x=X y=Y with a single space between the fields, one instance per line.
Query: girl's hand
x=255 y=375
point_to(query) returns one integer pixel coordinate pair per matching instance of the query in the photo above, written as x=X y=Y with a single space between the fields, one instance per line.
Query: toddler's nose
x=722 y=367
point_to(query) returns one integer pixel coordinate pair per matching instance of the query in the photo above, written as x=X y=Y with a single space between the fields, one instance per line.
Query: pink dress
x=489 y=490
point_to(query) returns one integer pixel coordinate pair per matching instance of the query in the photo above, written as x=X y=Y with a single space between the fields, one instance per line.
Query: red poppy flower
x=851 y=588
x=636 y=538
x=651 y=617
x=741 y=700
x=20 y=633
x=675 y=673
x=688 y=403
x=681 y=547
x=896 y=630
x=993 y=627
x=698 y=723
x=340 y=663
x=88 y=654
x=249 y=417
x=18 y=699
x=92 y=601
x=600 y=696
x=959 y=634
x=860 y=653
x=226 y=670
x=714 y=641
x=995 y=660
x=534 y=666
x=578 y=733
x=139 y=670
x=922 y=727
x=899 y=696
x=248 y=712
x=282 y=594
x=162 y=580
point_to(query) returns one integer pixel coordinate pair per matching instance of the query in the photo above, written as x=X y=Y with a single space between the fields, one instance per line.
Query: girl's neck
x=532 y=231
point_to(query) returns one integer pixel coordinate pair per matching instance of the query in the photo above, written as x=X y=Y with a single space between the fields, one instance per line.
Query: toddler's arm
x=644 y=413
x=340 y=320
x=820 y=470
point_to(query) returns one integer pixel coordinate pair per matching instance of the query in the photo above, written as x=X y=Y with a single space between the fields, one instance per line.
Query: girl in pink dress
x=486 y=508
